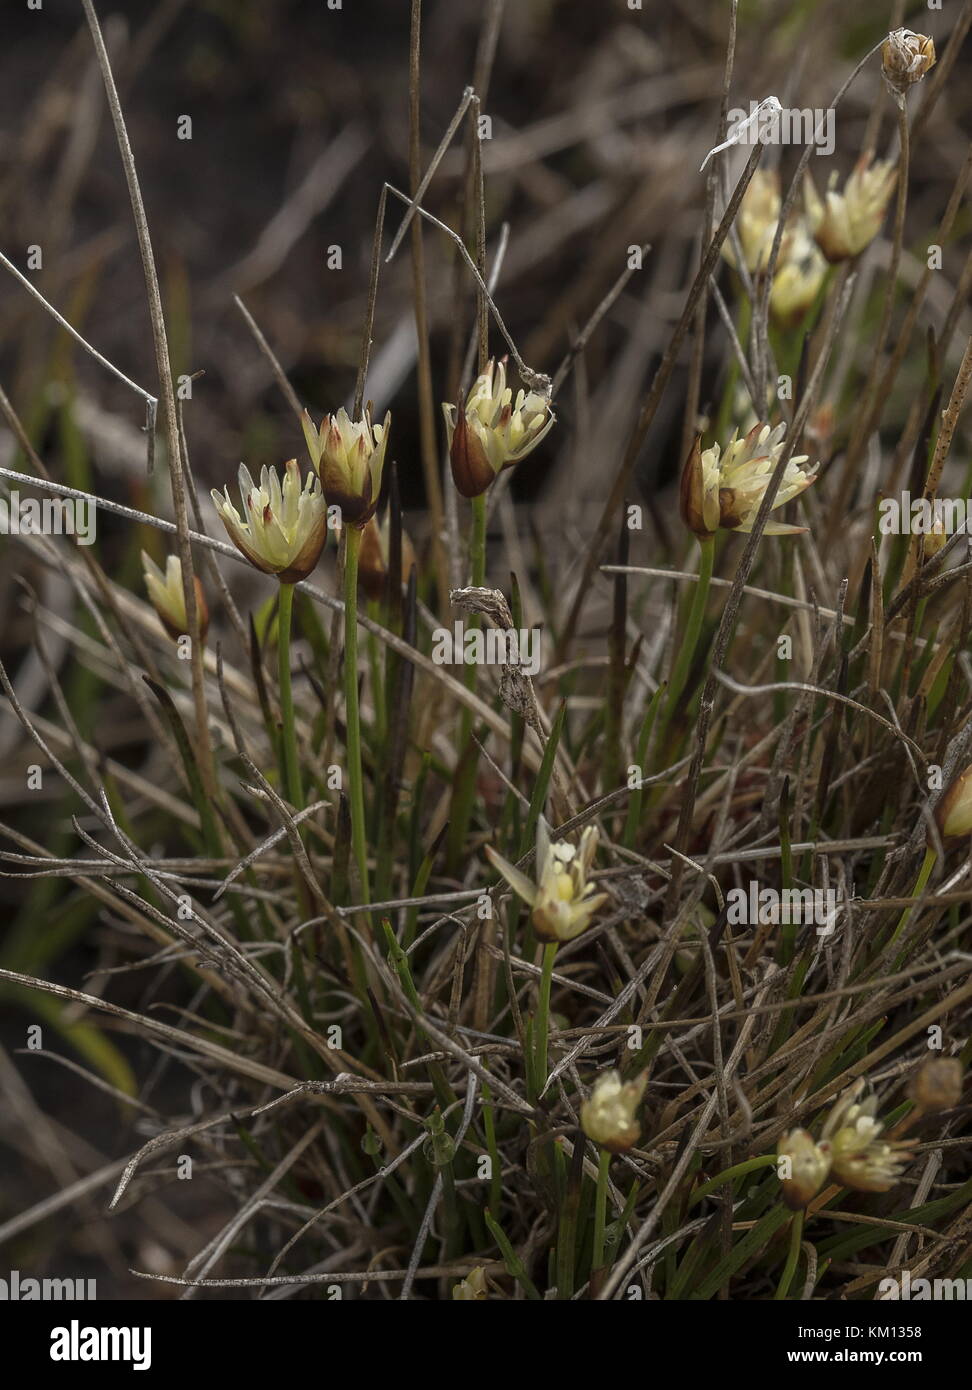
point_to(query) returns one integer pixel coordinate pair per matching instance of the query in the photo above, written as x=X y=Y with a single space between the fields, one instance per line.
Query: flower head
x=905 y=58
x=168 y=599
x=759 y=213
x=845 y=223
x=807 y=1165
x=726 y=489
x=373 y=557
x=492 y=431
x=561 y=899
x=797 y=283
x=953 y=814
x=860 y=1158
x=609 y=1115
x=349 y=455
x=283 y=526
x=473 y=1288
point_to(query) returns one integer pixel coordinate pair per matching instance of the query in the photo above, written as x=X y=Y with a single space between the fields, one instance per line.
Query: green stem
x=738 y=1171
x=477 y=541
x=600 y=1210
x=543 y=1015
x=464 y=789
x=921 y=882
x=686 y=651
x=291 y=765
x=789 y=1269
x=355 y=785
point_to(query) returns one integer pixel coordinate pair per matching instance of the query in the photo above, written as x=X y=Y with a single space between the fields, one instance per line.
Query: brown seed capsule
x=373 y=558
x=936 y=1084
x=472 y=471
x=905 y=58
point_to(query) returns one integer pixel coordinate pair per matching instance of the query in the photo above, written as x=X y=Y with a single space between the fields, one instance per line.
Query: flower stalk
x=693 y=630
x=292 y=780
x=359 y=848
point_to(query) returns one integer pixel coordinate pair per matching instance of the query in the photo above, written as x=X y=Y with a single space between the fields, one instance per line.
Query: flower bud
x=759 y=213
x=349 y=455
x=953 y=814
x=168 y=599
x=807 y=1164
x=905 y=58
x=609 y=1115
x=936 y=1084
x=373 y=558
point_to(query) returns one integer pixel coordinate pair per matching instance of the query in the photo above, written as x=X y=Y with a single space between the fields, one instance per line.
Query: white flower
x=799 y=278
x=860 y=1159
x=283 y=529
x=845 y=223
x=561 y=898
x=492 y=431
x=609 y=1115
x=808 y=1164
x=726 y=489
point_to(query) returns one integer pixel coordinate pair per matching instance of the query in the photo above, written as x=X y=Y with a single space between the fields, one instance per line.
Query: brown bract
x=472 y=472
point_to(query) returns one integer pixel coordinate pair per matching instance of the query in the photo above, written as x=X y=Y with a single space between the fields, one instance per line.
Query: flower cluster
x=800 y=268
x=283 y=526
x=350 y=456
x=845 y=222
x=562 y=899
x=492 y=431
x=850 y=1149
x=725 y=489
